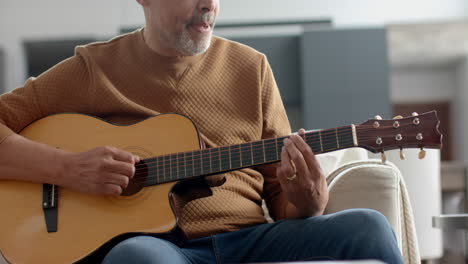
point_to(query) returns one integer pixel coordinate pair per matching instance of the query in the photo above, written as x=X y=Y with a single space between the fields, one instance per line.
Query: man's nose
x=207 y=6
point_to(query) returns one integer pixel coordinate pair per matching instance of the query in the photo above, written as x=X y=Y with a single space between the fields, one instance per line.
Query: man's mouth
x=201 y=27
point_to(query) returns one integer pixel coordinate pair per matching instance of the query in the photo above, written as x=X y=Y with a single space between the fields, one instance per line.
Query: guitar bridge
x=49 y=205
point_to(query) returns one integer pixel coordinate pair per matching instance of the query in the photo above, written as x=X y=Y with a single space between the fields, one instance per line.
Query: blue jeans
x=346 y=235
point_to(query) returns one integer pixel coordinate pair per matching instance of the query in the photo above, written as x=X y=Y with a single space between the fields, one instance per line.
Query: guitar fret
x=167 y=168
x=276 y=148
x=330 y=140
x=193 y=166
x=206 y=157
x=201 y=163
x=197 y=163
x=258 y=152
x=174 y=167
x=246 y=150
x=264 y=156
x=240 y=155
x=314 y=142
x=270 y=150
x=215 y=160
x=224 y=159
x=160 y=168
x=235 y=157
x=346 y=137
x=337 y=140
x=211 y=162
x=230 y=162
x=321 y=142
x=189 y=170
x=251 y=154
x=181 y=168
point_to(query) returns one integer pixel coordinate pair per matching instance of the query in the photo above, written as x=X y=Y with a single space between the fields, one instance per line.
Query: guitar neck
x=205 y=162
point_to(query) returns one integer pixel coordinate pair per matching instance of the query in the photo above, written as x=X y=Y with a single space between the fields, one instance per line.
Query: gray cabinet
x=329 y=77
x=345 y=76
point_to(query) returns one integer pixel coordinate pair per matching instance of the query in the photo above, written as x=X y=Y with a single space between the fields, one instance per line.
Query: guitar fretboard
x=187 y=165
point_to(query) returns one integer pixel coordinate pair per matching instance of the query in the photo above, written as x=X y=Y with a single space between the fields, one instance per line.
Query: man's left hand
x=301 y=178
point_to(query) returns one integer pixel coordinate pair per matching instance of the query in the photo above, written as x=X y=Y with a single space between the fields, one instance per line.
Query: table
x=451 y=221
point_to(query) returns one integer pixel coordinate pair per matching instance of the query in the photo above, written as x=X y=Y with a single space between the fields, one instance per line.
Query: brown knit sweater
x=229 y=92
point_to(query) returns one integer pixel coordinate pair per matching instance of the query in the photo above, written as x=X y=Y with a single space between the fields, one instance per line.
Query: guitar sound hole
x=138 y=181
x=132 y=188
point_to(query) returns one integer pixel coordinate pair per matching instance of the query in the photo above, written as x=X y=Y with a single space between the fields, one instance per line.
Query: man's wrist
x=63 y=160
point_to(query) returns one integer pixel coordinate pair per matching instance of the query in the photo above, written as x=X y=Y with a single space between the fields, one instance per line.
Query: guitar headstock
x=416 y=131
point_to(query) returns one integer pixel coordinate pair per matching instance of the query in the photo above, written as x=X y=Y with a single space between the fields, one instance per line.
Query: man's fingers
x=117 y=179
x=111 y=189
x=123 y=168
x=285 y=169
x=309 y=157
x=121 y=155
x=296 y=157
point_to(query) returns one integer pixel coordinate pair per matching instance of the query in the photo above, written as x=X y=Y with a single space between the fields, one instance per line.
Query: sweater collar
x=172 y=64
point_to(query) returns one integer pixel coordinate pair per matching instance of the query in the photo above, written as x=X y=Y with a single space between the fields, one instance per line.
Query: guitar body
x=85 y=222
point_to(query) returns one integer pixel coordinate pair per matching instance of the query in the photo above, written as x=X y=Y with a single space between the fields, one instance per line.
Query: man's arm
x=307 y=194
x=63 y=88
x=104 y=170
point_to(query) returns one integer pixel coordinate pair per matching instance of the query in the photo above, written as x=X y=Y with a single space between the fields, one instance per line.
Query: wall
x=22 y=19
x=460 y=112
x=343 y=12
x=423 y=84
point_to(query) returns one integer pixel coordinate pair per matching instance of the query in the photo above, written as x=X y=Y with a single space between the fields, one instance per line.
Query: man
x=175 y=65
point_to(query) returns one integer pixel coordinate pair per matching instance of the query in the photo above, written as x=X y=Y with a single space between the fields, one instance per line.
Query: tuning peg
x=415 y=114
x=398 y=117
x=383 y=157
x=402 y=155
x=422 y=154
x=378 y=117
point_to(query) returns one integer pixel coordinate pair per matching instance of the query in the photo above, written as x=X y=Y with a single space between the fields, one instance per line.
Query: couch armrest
x=371 y=184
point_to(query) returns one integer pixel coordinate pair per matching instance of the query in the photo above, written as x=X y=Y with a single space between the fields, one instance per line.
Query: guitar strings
x=328 y=136
x=327 y=139
x=169 y=176
x=252 y=147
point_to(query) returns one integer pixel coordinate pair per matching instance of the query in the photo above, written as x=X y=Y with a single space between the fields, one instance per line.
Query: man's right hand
x=103 y=170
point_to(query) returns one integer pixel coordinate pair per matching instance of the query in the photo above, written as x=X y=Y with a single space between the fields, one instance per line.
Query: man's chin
x=198 y=47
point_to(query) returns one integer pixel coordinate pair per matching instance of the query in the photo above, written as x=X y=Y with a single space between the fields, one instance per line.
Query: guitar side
x=85 y=222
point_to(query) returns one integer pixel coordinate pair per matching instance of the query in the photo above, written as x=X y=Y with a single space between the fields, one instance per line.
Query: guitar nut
x=416 y=121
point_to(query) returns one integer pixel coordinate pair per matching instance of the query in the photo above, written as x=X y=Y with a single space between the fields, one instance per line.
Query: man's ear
x=143 y=2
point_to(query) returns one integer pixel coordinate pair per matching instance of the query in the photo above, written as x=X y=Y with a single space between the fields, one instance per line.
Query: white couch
x=355 y=181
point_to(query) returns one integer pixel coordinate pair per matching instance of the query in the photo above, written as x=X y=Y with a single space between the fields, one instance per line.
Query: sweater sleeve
x=275 y=124
x=60 y=89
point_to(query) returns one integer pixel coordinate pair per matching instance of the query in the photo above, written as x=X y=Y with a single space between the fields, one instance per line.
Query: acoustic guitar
x=42 y=223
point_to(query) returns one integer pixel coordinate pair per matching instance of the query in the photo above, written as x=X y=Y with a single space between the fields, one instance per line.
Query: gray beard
x=186 y=46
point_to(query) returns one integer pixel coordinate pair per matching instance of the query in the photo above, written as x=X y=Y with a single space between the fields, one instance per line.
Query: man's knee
x=143 y=249
x=365 y=223
x=368 y=234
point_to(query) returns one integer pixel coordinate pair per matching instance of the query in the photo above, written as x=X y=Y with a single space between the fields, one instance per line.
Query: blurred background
x=336 y=62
